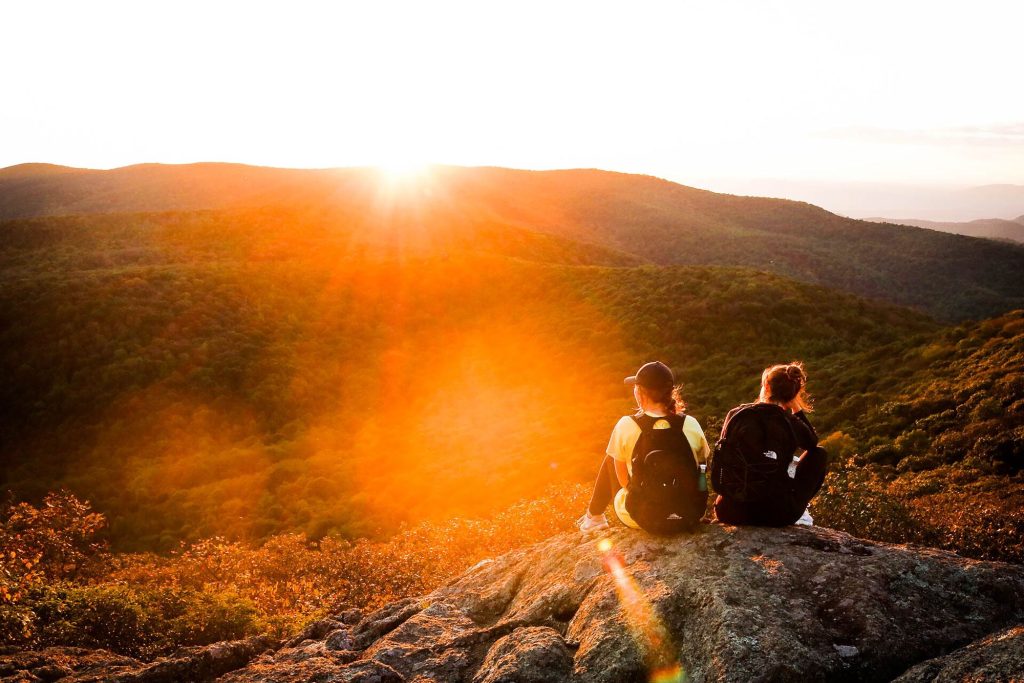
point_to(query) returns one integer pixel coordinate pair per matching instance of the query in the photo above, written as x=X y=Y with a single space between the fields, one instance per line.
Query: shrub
x=39 y=545
x=111 y=616
x=145 y=605
x=840 y=446
x=857 y=501
x=207 y=617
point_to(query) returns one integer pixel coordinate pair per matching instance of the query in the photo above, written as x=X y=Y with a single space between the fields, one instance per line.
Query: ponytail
x=786 y=384
x=671 y=398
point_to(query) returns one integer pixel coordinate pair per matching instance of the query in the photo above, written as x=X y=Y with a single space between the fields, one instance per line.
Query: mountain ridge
x=990 y=228
x=652 y=219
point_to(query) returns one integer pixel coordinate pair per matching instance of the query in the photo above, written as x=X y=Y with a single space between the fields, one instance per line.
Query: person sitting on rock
x=754 y=469
x=652 y=469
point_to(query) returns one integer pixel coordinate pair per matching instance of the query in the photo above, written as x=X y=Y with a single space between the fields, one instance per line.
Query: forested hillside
x=949 y=276
x=938 y=432
x=202 y=373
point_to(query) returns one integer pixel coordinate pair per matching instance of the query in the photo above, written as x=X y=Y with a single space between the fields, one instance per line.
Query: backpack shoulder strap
x=804 y=433
x=677 y=419
x=644 y=421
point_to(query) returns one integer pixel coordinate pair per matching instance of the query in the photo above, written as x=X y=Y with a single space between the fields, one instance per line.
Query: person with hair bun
x=660 y=407
x=777 y=485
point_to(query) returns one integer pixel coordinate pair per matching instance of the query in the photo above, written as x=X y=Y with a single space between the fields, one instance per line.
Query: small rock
x=587 y=568
x=340 y=639
x=51 y=672
x=846 y=650
x=315 y=631
x=351 y=617
x=535 y=654
x=479 y=565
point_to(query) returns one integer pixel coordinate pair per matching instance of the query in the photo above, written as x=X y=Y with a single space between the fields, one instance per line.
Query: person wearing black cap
x=656 y=395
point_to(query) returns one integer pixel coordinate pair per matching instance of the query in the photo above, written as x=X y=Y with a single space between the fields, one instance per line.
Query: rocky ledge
x=728 y=604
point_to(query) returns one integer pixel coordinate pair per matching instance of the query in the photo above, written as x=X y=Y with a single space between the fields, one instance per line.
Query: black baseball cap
x=654 y=375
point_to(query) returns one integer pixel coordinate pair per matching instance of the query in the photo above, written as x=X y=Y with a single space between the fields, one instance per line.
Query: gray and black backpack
x=663 y=495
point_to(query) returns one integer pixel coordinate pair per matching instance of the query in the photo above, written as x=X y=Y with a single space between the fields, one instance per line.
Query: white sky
x=915 y=92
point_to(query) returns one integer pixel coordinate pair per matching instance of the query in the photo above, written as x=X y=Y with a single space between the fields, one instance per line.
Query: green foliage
x=858 y=501
x=111 y=616
x=204 y=374
x=956 y=400
x=39 y=545
x=136 y=619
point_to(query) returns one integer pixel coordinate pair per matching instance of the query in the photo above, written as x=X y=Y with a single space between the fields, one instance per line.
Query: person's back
x=751 y=468
x=663 y=495
x=652 y=462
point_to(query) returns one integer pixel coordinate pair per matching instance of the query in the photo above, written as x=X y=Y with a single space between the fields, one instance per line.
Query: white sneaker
x=806 y=519
x=588 y=523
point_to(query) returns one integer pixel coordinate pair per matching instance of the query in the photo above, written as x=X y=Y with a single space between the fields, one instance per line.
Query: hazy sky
x=915 y=92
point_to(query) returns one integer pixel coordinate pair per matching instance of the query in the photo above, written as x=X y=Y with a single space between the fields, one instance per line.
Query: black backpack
x=663 y=495
x=751 y=461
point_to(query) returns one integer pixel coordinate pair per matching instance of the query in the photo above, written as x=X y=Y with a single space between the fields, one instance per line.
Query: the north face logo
x=772 y=455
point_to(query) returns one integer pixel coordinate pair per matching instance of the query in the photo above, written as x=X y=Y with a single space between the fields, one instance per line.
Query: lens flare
x=647 y=629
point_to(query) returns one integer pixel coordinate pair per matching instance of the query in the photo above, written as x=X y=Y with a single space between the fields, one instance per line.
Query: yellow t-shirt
x=623 y=439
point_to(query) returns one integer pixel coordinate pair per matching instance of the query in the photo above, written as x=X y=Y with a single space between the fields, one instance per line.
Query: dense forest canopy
x=189 y=385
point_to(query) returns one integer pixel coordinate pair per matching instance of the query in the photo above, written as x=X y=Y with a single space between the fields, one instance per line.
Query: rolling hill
x=949 y=276
x=992 y=228
x=241 y=373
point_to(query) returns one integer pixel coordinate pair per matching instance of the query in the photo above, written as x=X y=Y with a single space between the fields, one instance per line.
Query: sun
x=400 y=171
x=403 y=167
x=404 y=182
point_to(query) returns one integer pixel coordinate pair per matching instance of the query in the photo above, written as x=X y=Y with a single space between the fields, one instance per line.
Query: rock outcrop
x=727 y=604
x=81 y=665
x=998 y=657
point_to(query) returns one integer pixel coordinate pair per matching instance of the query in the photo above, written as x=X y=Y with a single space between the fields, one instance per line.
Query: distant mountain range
x=899 y=201
x=626 y=217
x=992 y=228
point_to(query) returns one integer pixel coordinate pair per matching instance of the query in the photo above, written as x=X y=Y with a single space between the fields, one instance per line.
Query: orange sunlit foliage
x=216 y=589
